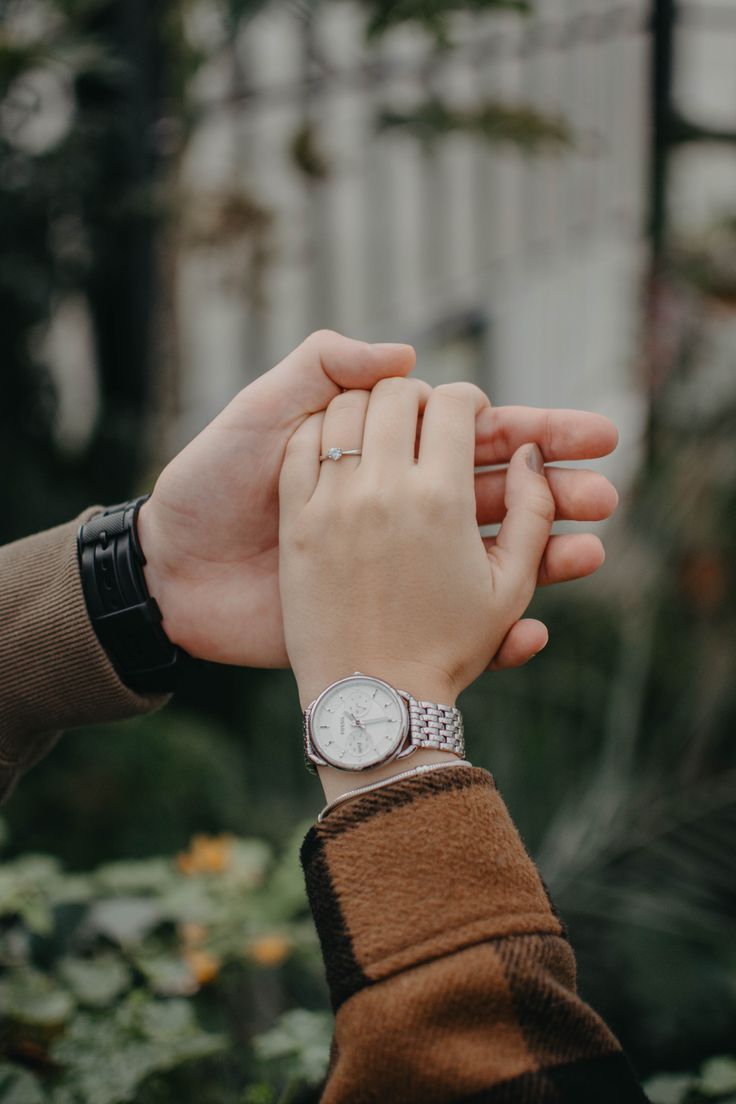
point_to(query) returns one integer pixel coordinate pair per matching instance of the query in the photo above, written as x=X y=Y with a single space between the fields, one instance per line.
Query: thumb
x=530 y=511
x=308 y=379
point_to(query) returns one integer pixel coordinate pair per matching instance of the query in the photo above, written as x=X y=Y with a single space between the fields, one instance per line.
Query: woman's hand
x=382 y=566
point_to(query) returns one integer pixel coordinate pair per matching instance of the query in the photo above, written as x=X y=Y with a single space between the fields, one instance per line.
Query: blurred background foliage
x=131 y=976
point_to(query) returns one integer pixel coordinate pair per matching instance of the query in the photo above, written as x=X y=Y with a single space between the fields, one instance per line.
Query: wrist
x=336 y=782
x=159 y=581
x=423 y=682
x=125 y=616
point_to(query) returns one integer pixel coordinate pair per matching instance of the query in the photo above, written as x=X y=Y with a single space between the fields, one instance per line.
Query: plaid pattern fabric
x=449 y=970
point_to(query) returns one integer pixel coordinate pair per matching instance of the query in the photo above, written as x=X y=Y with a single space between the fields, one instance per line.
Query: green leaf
x=126 y=920
x=496 y=123
x=285 y=895
x=29 y=997
x=145 y=875
x=256 y=1094
x=72 y=889
x=669 y=1088
x=717 y=1076
x=106 y=1057
x=95 y=982
x=166 y=1020
x=25 y=886
x=167 y=974
x=249 y=861
x=298 y=1043
x=191 y=899
x=432 y=15
x=17 y=1086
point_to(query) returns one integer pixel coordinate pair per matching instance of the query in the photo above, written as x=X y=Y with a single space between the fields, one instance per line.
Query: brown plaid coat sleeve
x=449 y=970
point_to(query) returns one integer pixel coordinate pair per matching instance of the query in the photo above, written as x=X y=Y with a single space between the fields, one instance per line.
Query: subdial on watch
x=359 y=743
x=358 y=702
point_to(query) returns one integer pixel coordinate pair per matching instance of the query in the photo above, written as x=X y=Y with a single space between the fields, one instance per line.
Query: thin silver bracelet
x=425 y=768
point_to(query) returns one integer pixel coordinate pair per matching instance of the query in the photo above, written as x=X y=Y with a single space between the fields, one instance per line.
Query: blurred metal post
x=122 y=282
x=664 y=19
x=664 y=16
x=671 y=129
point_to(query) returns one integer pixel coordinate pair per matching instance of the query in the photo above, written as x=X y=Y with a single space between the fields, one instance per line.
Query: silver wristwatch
x=361 y=722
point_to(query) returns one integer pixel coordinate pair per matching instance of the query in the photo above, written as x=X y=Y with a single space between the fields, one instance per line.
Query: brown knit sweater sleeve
x=449 y=970
x=54 y=674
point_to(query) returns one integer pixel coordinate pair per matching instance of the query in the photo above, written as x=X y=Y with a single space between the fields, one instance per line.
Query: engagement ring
x=338 y=453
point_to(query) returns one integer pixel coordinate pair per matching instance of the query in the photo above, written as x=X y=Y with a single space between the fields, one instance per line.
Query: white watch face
x=358 y=723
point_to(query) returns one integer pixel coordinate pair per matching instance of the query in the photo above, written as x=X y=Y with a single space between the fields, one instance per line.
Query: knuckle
x=321 y=515
x=392 y=385
x=322 y=337
x=440 y=499
x=546 y=444
x=368 y=499
x=420 y=387
x=321 y=346
x=399 y=385
x=375 y=504
x=349 y=401
x=542 y=506
x=462 y=392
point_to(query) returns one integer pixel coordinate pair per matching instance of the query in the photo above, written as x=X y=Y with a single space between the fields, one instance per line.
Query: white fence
x=522 y=272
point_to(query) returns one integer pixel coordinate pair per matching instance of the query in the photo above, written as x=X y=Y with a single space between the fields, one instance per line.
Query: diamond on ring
x=335 y=453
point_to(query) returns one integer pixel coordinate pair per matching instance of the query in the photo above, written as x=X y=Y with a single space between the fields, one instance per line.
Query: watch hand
x=380 y=720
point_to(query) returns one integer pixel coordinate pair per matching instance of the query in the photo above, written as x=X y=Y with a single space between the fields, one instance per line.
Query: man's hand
x=579 y=495
x=210 y=529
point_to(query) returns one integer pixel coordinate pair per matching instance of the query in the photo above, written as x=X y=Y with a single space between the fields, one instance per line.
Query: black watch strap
x=125 y=617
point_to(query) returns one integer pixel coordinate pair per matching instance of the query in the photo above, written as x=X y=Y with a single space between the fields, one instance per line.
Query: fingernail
x=535 y=460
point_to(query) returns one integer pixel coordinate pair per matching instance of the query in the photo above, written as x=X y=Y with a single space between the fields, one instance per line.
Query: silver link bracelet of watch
x=362 y=722
x=436 y=726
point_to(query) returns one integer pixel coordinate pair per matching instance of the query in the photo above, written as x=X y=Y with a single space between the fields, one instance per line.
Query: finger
x=342 y=428
x=315 y=372
x=560 y=434
x=579 y=495
x=300 y=468
x=521 y=643
x=530 y=511
x=390 y=433
x=566 y=557
x=447 y=442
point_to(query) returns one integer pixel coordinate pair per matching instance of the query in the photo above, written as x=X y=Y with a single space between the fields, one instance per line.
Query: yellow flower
x=206 y=855
x=269 y=950
x=192 y=935
x=203 y=965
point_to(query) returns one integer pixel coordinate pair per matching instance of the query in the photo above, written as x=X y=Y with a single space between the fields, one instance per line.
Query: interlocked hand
x=210 y=529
